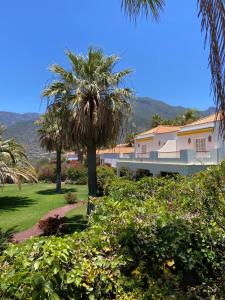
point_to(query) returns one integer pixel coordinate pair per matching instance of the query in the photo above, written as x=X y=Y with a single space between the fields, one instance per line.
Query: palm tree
x=14 y=164
x=212 y=14
x=156 y=120
x=52 y=136
x=98 y=102
x=189 y=116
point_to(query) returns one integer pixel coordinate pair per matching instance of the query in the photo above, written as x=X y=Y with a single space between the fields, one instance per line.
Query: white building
x=173 y=149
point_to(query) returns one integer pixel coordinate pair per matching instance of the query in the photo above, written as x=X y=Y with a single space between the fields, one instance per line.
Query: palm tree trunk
x=92 y=175
x=58 y=169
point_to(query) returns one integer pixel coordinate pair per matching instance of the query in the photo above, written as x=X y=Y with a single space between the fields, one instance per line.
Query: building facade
x=111 y=156
x=172 y=149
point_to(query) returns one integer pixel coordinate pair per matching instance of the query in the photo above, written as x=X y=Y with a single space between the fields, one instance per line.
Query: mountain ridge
x=23 y=129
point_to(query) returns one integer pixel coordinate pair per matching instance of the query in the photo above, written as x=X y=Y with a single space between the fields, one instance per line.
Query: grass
x=77 y=218
x=23 y=208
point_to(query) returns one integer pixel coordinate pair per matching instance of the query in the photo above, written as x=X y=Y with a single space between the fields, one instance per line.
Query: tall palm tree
x=52 y=137
x=14 y=164
x=98 y=102
x=212 y=14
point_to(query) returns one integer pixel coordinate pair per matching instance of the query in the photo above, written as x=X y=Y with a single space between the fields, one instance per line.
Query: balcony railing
x=182 y=156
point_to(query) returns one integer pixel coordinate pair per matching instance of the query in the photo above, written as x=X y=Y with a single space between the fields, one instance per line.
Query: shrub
x=5 y=238
x=148 y=239
x=70 y=198
x=78 y=175
x=53 y=225
x=105 y=175
x=126 y=173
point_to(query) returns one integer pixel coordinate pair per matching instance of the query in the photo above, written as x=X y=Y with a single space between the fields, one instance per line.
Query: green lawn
x=23 y=208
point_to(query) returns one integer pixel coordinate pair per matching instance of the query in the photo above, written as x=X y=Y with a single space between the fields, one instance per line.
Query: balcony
x=176 y=157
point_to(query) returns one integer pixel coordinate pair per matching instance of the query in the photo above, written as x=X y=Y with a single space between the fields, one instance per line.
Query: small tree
x=53 y=137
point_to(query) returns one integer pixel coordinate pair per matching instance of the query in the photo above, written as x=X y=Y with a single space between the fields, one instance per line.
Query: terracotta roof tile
x=160 y=129
x=205 y=120
x=123 y=148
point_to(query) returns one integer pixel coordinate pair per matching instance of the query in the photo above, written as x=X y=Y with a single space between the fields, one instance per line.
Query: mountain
x=144 y=108
x=10 y=118
x=22 y=127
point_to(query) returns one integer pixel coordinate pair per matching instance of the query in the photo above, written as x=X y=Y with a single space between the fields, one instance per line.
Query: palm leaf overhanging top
x=212 y=13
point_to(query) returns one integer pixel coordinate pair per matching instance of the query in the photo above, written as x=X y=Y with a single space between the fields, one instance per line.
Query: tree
x=52 y=136
x=129 y=140
x=212 y=14
x=97 y=101
x=189 y=116
x=14 y=164
x=156 y=120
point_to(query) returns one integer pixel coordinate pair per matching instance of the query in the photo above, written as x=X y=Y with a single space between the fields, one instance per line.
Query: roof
x=160 y=129
x=208 y=119
x=123 y=148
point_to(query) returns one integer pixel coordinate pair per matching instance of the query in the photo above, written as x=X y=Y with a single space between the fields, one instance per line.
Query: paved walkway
x=36 y=231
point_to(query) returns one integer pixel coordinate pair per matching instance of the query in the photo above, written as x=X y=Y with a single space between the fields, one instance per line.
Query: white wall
x=153 y=144
x=182 y=141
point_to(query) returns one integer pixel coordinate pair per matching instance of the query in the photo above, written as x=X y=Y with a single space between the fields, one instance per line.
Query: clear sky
x=168 y=58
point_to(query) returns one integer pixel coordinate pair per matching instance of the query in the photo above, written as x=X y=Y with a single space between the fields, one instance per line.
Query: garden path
x=36 y=231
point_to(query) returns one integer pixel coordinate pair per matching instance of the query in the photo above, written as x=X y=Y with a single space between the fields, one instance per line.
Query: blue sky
x=168 y=58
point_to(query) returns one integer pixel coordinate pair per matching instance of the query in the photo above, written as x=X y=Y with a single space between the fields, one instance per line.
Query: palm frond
x=212 y=13
x=134 y=7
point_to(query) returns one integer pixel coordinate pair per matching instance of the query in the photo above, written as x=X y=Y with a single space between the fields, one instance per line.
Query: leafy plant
x=70 y=198
x=78 y=175
x=105 y=175
x=5 y=238
x=53 y=225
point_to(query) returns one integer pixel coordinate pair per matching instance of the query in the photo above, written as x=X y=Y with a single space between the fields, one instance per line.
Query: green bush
x=150 y=239
x=5 y=238
x=78 y=175
x=126 y=173
x=70 y=198
x=105 y=175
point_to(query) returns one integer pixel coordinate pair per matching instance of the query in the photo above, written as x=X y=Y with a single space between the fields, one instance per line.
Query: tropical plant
x=52 y=136
x=14 y=164
x=212 y=14
x=156 y=120
x=129 y=140
x=98 y=103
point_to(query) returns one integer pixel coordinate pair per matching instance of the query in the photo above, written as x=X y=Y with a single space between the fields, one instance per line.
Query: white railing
x=203 y=154
x=124 y=155
x=173 y=154
x=142 y=155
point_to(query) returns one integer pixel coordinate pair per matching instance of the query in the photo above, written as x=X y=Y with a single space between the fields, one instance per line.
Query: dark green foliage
x=149 y=239
x=126 y=173
x=70 y=198
x=105 y=175
x=77 y=175
x=5 y=238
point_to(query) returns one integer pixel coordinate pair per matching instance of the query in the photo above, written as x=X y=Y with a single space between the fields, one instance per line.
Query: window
x=200 y=145
x=143 y=149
